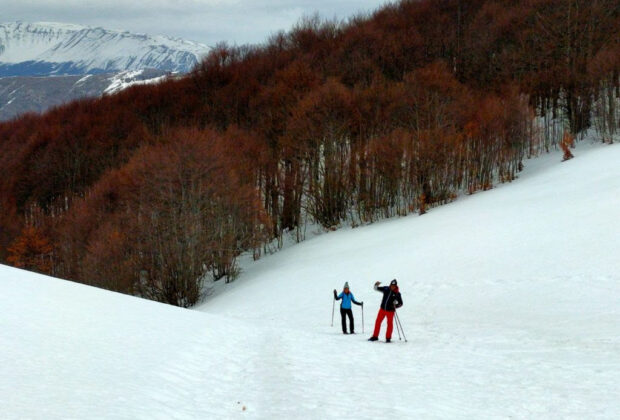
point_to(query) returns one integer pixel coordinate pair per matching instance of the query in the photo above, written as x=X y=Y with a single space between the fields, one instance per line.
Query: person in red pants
x=391 y=300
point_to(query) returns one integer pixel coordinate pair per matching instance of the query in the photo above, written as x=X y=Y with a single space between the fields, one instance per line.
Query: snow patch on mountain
x=124 y=80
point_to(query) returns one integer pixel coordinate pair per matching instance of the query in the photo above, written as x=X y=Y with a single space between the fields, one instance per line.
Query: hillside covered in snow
x=43 y=49
x=511 y=310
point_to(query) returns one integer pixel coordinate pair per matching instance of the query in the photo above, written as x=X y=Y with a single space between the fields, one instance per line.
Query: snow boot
x=388 y=340
x=373 y=338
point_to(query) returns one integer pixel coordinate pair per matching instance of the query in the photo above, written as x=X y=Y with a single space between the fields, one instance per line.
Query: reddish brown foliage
x=147 y=190
x=31 y=251
x=174 y=212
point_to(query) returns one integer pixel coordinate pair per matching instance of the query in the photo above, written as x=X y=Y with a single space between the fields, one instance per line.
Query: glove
x=377 y=283
x=335 y=291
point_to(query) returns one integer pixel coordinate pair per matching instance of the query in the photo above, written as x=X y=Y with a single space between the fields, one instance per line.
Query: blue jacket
x=347 y=298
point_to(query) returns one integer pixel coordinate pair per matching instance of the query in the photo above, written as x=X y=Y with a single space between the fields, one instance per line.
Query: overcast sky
x=206 y=21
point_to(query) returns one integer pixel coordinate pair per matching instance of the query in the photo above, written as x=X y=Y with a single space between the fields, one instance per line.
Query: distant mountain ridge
x=51 y=49
x=22 y=94
x=46 y=64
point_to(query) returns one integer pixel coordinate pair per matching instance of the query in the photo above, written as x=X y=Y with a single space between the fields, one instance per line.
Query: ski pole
x=333 y=306
x=396 y=322
x=397 y=326
x=401 y=330
x=362 y=317
x=399 y=323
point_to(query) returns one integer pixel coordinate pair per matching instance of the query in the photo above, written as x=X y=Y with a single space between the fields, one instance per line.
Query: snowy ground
x=512 y=310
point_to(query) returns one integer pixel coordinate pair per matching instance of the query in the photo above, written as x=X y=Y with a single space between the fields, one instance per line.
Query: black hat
x=393 y=282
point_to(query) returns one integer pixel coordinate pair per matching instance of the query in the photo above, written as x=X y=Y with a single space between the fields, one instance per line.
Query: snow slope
x=512 y=310
x=44 y=48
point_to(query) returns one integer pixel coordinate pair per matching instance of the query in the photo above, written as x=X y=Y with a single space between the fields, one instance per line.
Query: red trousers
x=390 y=323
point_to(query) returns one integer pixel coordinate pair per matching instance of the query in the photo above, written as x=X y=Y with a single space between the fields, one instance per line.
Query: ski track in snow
x=511 y=311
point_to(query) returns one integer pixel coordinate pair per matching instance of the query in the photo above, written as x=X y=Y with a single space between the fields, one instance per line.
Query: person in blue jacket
x=345 y=307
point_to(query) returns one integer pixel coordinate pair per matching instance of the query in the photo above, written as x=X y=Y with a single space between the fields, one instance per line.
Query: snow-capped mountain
x=43 y=49
x=32 y=52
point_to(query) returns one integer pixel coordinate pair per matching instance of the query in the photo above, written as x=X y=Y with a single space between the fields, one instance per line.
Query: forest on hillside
x=153 y=190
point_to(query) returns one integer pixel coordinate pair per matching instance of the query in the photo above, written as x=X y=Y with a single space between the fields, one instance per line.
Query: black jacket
x=389 y=297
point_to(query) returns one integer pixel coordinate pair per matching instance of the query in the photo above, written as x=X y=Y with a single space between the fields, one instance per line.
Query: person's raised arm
x=337 y=297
